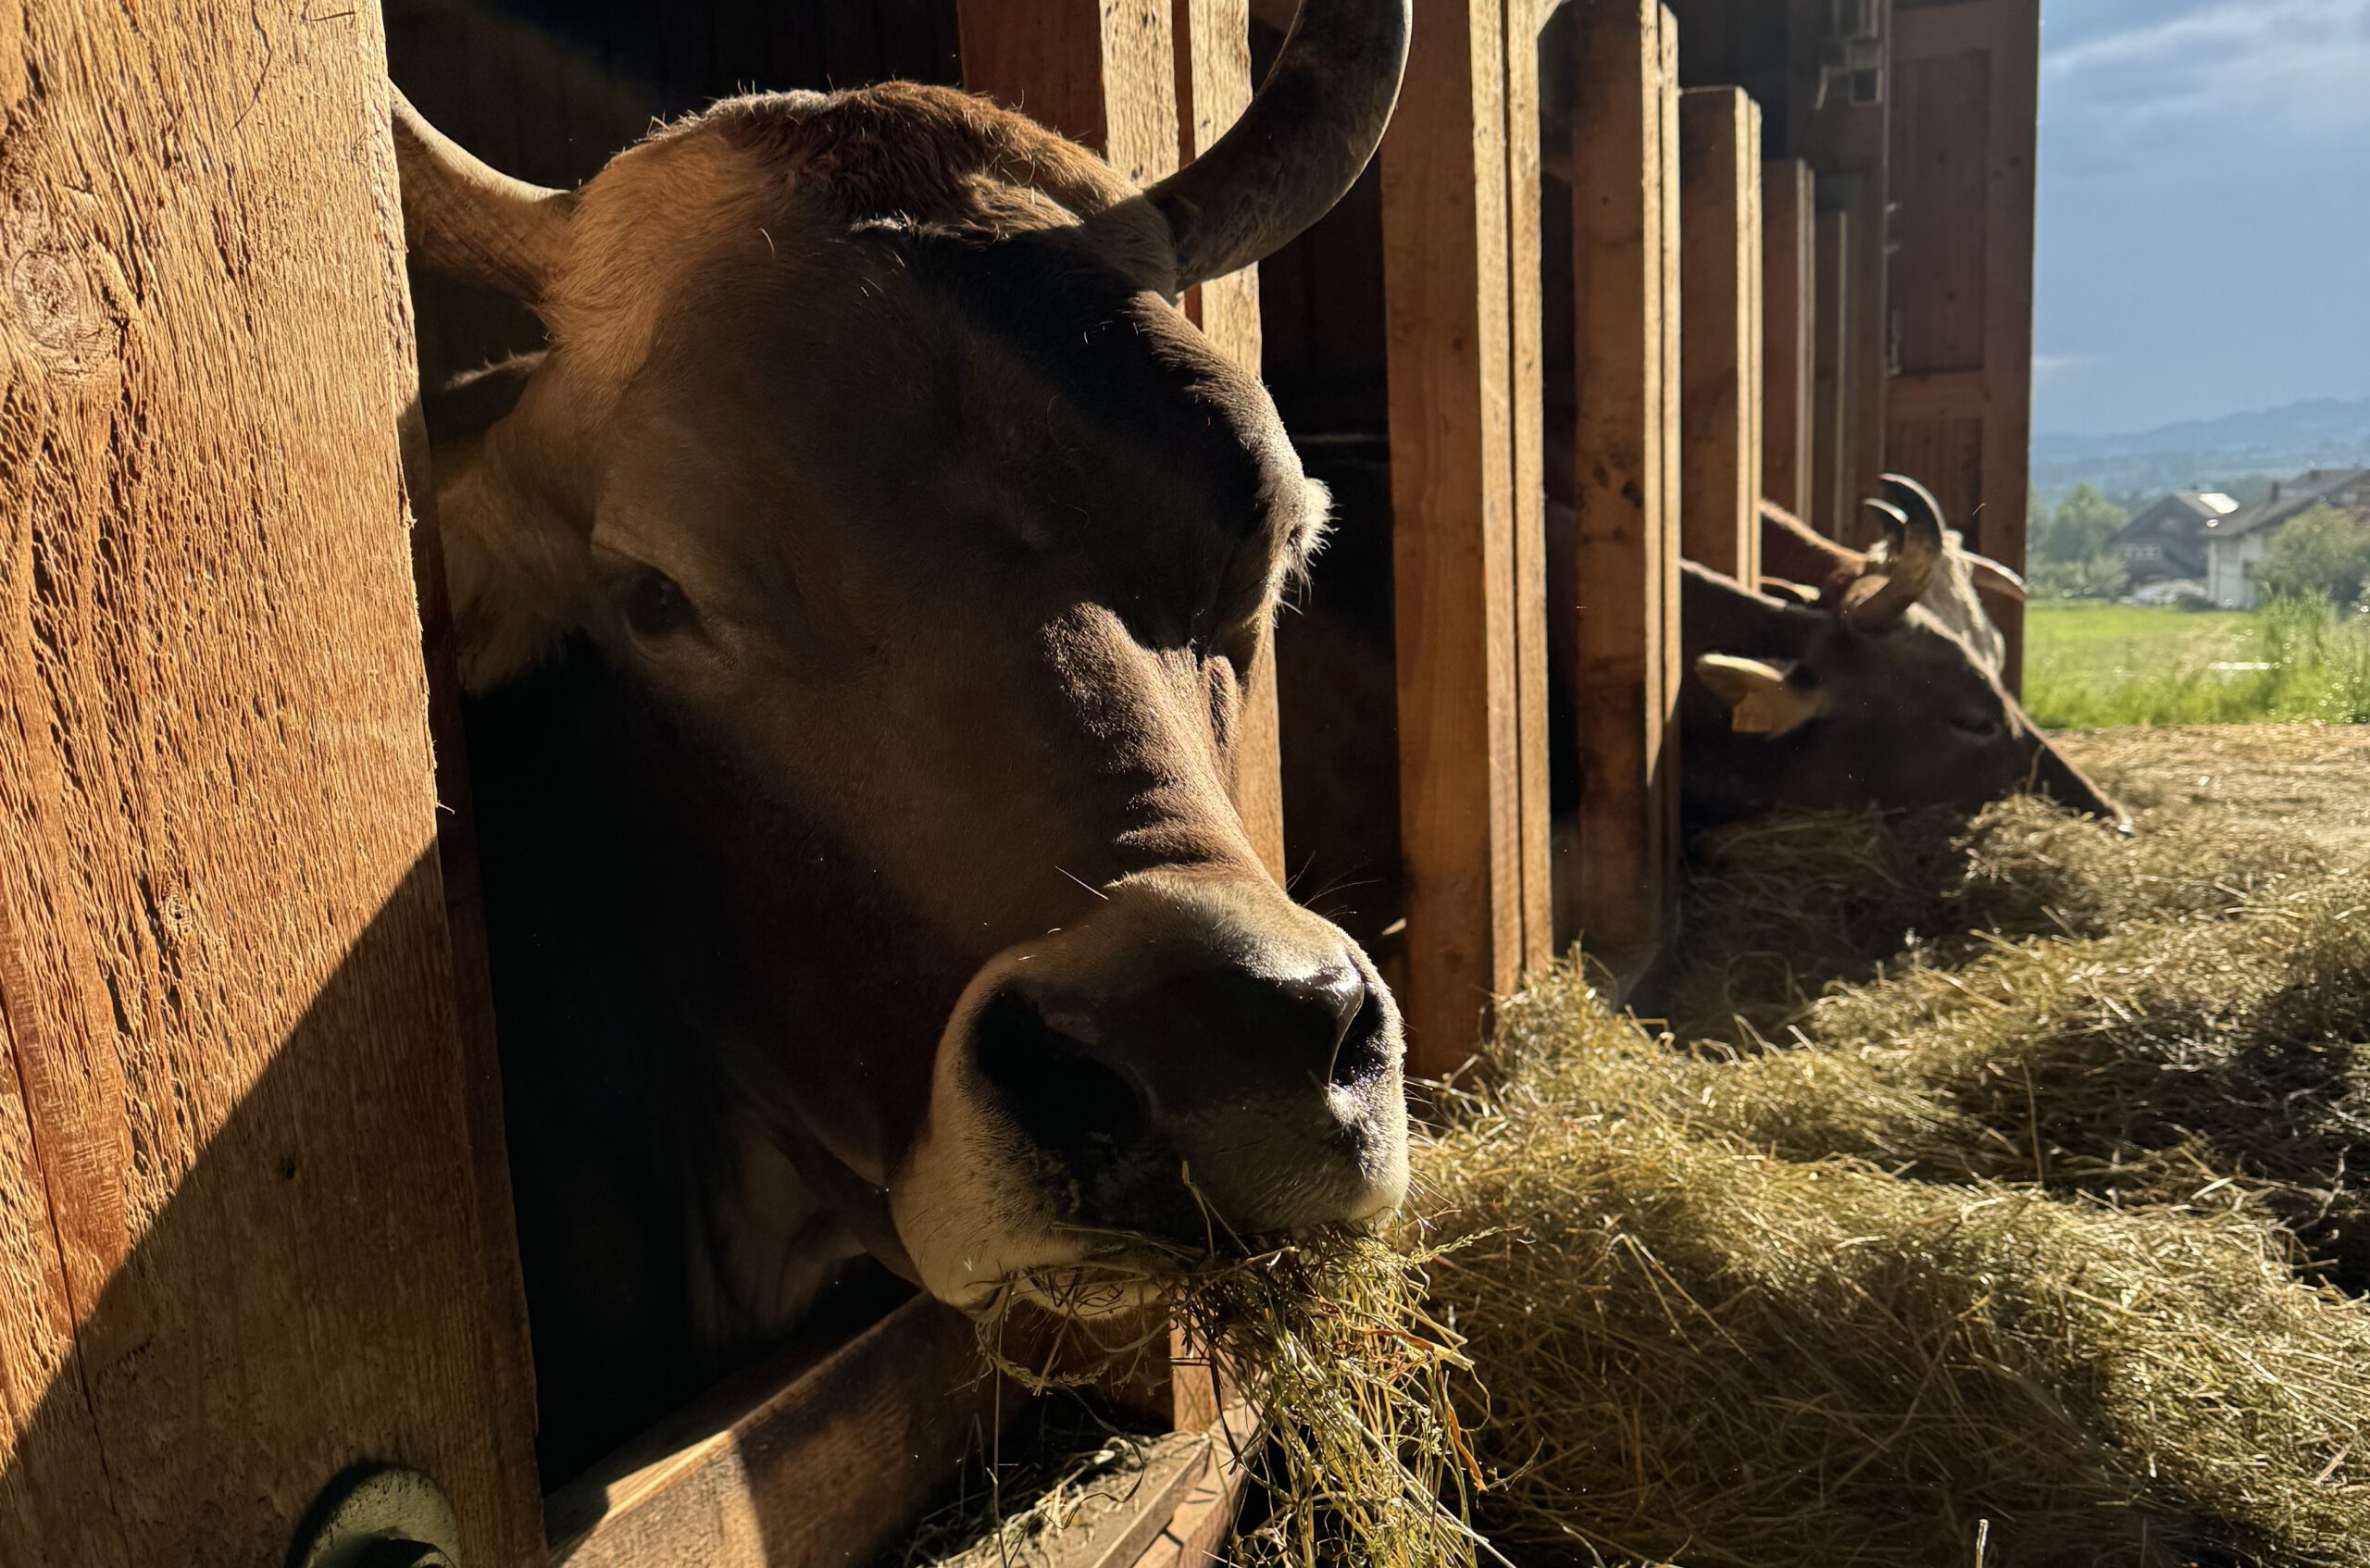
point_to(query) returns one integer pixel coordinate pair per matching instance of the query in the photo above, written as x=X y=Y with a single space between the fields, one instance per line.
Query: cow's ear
x=1760 y=700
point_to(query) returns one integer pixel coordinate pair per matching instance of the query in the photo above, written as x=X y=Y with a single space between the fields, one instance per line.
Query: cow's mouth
x=1201 y=1065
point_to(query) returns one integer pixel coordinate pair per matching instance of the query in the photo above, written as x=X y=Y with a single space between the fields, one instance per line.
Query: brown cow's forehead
x=1019 y=383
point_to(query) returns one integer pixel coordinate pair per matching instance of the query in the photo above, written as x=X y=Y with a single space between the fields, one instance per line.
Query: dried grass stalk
x=1360 y=1456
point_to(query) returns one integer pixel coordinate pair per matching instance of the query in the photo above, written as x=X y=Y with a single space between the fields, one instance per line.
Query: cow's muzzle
x=1199 y=1065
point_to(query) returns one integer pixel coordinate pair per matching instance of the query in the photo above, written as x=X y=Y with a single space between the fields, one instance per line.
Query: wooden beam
x=1213 y=68
x=1965 y=125
x=1720 y=282
x=1625 y=203
x=244 y=1239
x=1831 y=358
x=1448 y=334
x=1525 y=393
x=1101 y=72
x=802 y=1460
x=1845 y=138
x=1789 y=316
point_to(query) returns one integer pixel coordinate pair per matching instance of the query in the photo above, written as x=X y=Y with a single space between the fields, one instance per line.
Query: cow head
x=1970 y=594
x=1867 y=699
x=924 y=552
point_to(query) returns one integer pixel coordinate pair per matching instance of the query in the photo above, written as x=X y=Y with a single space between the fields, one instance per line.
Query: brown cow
x=1867 y=701
x=858 y=596
x=1865 y=698
x=1970 y=594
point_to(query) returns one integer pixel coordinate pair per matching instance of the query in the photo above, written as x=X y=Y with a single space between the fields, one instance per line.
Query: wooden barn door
x=244 y=1244
x=1966 y=82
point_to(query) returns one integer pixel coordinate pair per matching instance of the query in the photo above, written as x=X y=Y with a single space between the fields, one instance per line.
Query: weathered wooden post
x=1789 y=316
x=1965 y=123
x=1625 y=483
x=1720 y=283
x=1463 y=422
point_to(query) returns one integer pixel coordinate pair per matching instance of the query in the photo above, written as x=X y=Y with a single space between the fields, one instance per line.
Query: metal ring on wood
x=379 y=1516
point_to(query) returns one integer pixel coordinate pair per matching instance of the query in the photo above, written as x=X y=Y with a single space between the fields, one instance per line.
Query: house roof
x=2297 y=495
x=2186 y=512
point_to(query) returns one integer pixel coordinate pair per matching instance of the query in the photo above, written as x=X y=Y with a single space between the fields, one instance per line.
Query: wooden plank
x=1213 y=73
x=1445 y=247
x=1525 y=393
x=799 y=1463
x=235 y=1102
x=1720 y=280
x=1203 y=1519
x=1625 y=203
x=1847 y=143
x=1830 y=388
x=1101 y=72
x=1789 y=317
x=1964 y=143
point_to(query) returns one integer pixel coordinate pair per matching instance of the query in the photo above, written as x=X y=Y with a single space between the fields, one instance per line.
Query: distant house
x=2234 y=543
x=2167 y=540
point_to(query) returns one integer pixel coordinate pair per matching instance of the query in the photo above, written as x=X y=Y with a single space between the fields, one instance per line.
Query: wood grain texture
x=1849 y=145
x=1448 y=338
x=1720 y=280
x=1789 y=316
x=1526 y=399
x=234 y=1105
x=799 y=1463
x=1625 y=203
x=1830 y=376
x=1965 y=129
x=1101 y=72
x=1213 y=73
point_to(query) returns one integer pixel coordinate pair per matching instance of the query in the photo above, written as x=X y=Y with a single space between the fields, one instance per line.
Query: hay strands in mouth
x=1361 y=1456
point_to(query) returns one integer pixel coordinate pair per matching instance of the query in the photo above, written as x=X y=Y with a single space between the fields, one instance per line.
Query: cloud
x=2048 y=367
x=2226 y=70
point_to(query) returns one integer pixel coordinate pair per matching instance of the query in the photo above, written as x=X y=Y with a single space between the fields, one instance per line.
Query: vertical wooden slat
x=1445 y=252
x=1526 y=394
x=1101 y=72
x=1213 y=60
x=1831 y=358
x=1789 y=316
x=1625 y=178
x=1965 y=126
x=1847 y=142
x=235 y=1113
x=1719 y=132
x=1213 y=65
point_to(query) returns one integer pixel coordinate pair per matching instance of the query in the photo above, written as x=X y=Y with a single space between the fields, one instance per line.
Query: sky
x=2205 y=242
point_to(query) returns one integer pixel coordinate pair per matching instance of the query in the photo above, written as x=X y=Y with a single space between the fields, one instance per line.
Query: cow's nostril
x=1065 y=1101
x=1363 y=1047
x=1343 y=1013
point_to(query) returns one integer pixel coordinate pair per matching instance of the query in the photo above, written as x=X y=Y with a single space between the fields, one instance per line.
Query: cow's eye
x=1976 y=726
x=657 y=606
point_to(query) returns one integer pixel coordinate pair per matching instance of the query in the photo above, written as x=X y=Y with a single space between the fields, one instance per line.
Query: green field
x=2090 y=665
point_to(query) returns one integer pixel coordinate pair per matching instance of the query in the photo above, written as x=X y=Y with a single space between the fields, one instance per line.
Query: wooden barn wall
x=547 y=90
x=228 y=988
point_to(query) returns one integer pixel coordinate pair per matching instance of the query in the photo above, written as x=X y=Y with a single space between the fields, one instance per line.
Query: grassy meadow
x=2090 y=665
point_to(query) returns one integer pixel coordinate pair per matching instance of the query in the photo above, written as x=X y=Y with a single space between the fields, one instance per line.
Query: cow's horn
x=1302 y=143
x=1878 y=601
x=1994 y=579
x=1922 y=528
x=469 y=221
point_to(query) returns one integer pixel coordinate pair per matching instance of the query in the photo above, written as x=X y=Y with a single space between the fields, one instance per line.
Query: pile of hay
x=1357 y=1457
x=1709 y=1341
x=2016 y=1248
x=1994 y=1205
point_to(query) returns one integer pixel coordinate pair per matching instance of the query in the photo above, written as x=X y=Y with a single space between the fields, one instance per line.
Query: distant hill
x=2322 y=432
